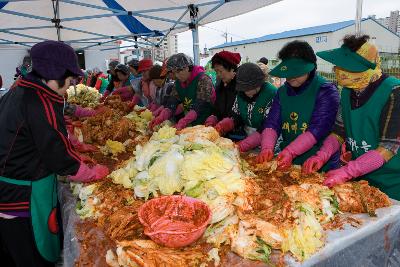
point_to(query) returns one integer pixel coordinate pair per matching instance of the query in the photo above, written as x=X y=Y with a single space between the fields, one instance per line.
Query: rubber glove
x=126 y=93
x=211 y=121
x=301 y=144
x=185 y=121
x=345 y=156
x=86 y=174
x=103 y=98
x=179 y=109
x=165 y=114
x=366 y=163
x=81 y=112
x=152 y=107
x=250 y=142
x=268 y=142
x=224 y=126
x=158 y=111
x=134 y=101
x=328 y=148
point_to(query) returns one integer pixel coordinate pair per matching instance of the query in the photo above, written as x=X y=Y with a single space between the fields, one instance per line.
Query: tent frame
x=101 y=39
x=91 y=42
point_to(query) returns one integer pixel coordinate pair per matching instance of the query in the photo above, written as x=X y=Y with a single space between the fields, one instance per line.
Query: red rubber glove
x=126 y=93
x=250 y=142
x=134 y=101
x=366 y=163
x=83 y=148
x=224 y=126
x=179 y=109
x=103 y=98
x=164 y=115
x=86 y=174
x=328 y=148
x=185 y=121
x=301 y=144
x=268 y=142
x=158 y=111
x=211 y=121
x=84 y=112
x=152 y=107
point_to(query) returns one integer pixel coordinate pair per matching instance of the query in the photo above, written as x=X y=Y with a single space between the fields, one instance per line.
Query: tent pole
x=194 y=27
x=358 y=17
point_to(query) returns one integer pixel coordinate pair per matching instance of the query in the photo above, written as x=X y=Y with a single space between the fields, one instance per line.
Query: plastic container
x=174 y=221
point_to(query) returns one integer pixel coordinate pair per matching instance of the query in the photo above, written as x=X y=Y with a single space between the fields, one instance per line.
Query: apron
x=296 y=112
x=188 y=97
x=43 y=209
x=362 y=128
x=266 y=95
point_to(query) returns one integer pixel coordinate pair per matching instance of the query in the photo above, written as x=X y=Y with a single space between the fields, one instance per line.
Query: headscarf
x=360 y=80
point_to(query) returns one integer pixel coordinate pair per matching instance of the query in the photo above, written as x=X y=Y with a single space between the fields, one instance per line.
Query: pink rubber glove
x=224 y=126
x=164 y=115
x=328 y=148
x=301 y=144
x=152 y=107
x=345 y=156
x=179 y=109
x=84 y=112
x=250 y=142
x=134 y=101
x=158 y=111
x=268 y=142
x=126 y=93
x=185 y=121
x=366 y=163
x=106 y=93
x=86 y=174
x=211 y=121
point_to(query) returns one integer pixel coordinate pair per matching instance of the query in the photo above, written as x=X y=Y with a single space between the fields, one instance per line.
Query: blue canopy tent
x=85 y=24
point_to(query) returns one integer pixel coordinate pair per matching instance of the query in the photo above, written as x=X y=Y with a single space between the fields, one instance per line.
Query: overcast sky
x=282 y=16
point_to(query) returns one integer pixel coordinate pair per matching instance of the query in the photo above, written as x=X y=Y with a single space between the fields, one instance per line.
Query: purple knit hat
x=51 y=59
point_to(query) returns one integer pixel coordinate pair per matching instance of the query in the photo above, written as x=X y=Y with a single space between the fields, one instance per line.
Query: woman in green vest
x=369 y=117
x=251 y=105
x=192 y=96
x=303 y=111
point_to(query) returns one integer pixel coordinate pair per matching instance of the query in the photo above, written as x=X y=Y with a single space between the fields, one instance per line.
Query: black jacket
x=34 y=140
x=225 y=98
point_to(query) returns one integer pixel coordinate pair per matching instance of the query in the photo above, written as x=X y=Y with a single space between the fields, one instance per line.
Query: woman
x=193 y=92
x=113 y=81
x=225 y=64
x=133 y=67
x=34 y=147
x=99 y=80
x=251 y=105
x=162 y=88
x=125 y=77
x=303 y=111
x=368 y=120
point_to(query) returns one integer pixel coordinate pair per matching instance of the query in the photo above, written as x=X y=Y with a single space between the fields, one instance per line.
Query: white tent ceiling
x=92 y=22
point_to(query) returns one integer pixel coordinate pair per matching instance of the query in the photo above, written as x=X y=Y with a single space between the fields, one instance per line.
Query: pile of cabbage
x=83 y=95
x=196 y=162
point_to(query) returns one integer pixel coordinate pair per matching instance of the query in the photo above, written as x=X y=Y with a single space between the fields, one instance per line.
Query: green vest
x=296 y=112
x=362 y=127
x=267 y=93
x=104 y=84
x=43 y=204
x=188 y=97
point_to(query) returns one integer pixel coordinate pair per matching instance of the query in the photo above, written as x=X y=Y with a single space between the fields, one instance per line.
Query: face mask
x=357 y=80
x=360 y=80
